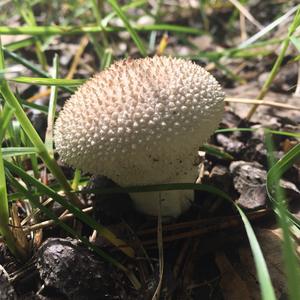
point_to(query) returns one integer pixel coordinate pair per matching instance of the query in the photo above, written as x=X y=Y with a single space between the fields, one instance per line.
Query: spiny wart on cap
x=140 y=121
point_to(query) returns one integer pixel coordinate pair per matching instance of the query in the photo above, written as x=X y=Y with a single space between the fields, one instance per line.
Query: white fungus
x=141 y=122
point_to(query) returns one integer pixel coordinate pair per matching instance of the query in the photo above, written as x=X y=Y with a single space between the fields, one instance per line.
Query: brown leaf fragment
x=20 y=237
x=233 y=287
x=270 y=242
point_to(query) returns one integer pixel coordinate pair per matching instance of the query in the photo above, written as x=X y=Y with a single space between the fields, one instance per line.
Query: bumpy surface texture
x=140 y=121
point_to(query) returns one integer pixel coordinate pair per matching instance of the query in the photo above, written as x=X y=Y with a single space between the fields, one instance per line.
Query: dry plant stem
x=204 y=222
x=97 y=7
x=5 y=229
x=83 y=43
x=270 y=79
x=39 y=95
x=246 y=13
x=277 y=64
x=229 y=222
x=243 y=27
x=49 y=223
x=297 y=92
x=259 y=102
x=160 y=252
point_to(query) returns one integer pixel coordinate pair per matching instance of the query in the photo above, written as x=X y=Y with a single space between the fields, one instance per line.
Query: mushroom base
x=173 y=203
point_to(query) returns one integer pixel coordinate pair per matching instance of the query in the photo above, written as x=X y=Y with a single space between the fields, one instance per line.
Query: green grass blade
x=215 y=151
x=25 y=62
x=275 y=192
x=283 y=164
x=121 y=245
x=135 y=37
x=276 y=67
x=4 y=214
x=19 y=44
x=270 y=27
x=48 y=212
x=35 y=69
x=5 y=118
x=48 y=81
x=25 y=10
x=52 y=110
x=39 y=107
x=73 y=30
x=32 y=134
x=16 y=151
x=262 y=271
x=296 y=42
x=170 y=28
x=132 y=4
x=266 y=287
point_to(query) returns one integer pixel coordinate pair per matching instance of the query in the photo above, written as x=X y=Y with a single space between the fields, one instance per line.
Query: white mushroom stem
x=172 y=203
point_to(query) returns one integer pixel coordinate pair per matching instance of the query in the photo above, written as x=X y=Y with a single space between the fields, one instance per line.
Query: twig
x=49 y=223
x=276 y=67
x=259 y=102
x=83 y=43
x=246 y=13
x=297 y=92
x=228 y=222
x=243 y=27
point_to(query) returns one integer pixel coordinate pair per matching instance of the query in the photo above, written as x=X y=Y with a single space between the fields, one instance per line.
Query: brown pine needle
x=82 y=45
x=38 y=96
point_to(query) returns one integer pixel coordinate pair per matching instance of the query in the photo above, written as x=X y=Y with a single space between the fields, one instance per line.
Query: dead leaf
x=233 y=287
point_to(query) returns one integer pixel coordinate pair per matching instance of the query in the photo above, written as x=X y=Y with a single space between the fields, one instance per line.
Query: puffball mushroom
x=141 y=122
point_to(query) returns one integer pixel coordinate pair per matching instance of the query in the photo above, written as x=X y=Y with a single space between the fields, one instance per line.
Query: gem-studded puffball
x=140 y=121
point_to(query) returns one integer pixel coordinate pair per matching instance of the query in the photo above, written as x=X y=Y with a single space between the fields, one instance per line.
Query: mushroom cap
x=140 y=121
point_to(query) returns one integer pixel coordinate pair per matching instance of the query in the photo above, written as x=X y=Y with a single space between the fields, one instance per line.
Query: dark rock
x=110 y=206
x=293 y=175
x=249 y=179
x=70 y=269
x=292 y=193
x=230 y=120
x=39 y=121
x=230 y=144
x=221 y=178
x=255 y=150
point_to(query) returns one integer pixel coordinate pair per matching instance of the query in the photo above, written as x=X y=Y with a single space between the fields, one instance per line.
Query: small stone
x=72 y=270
